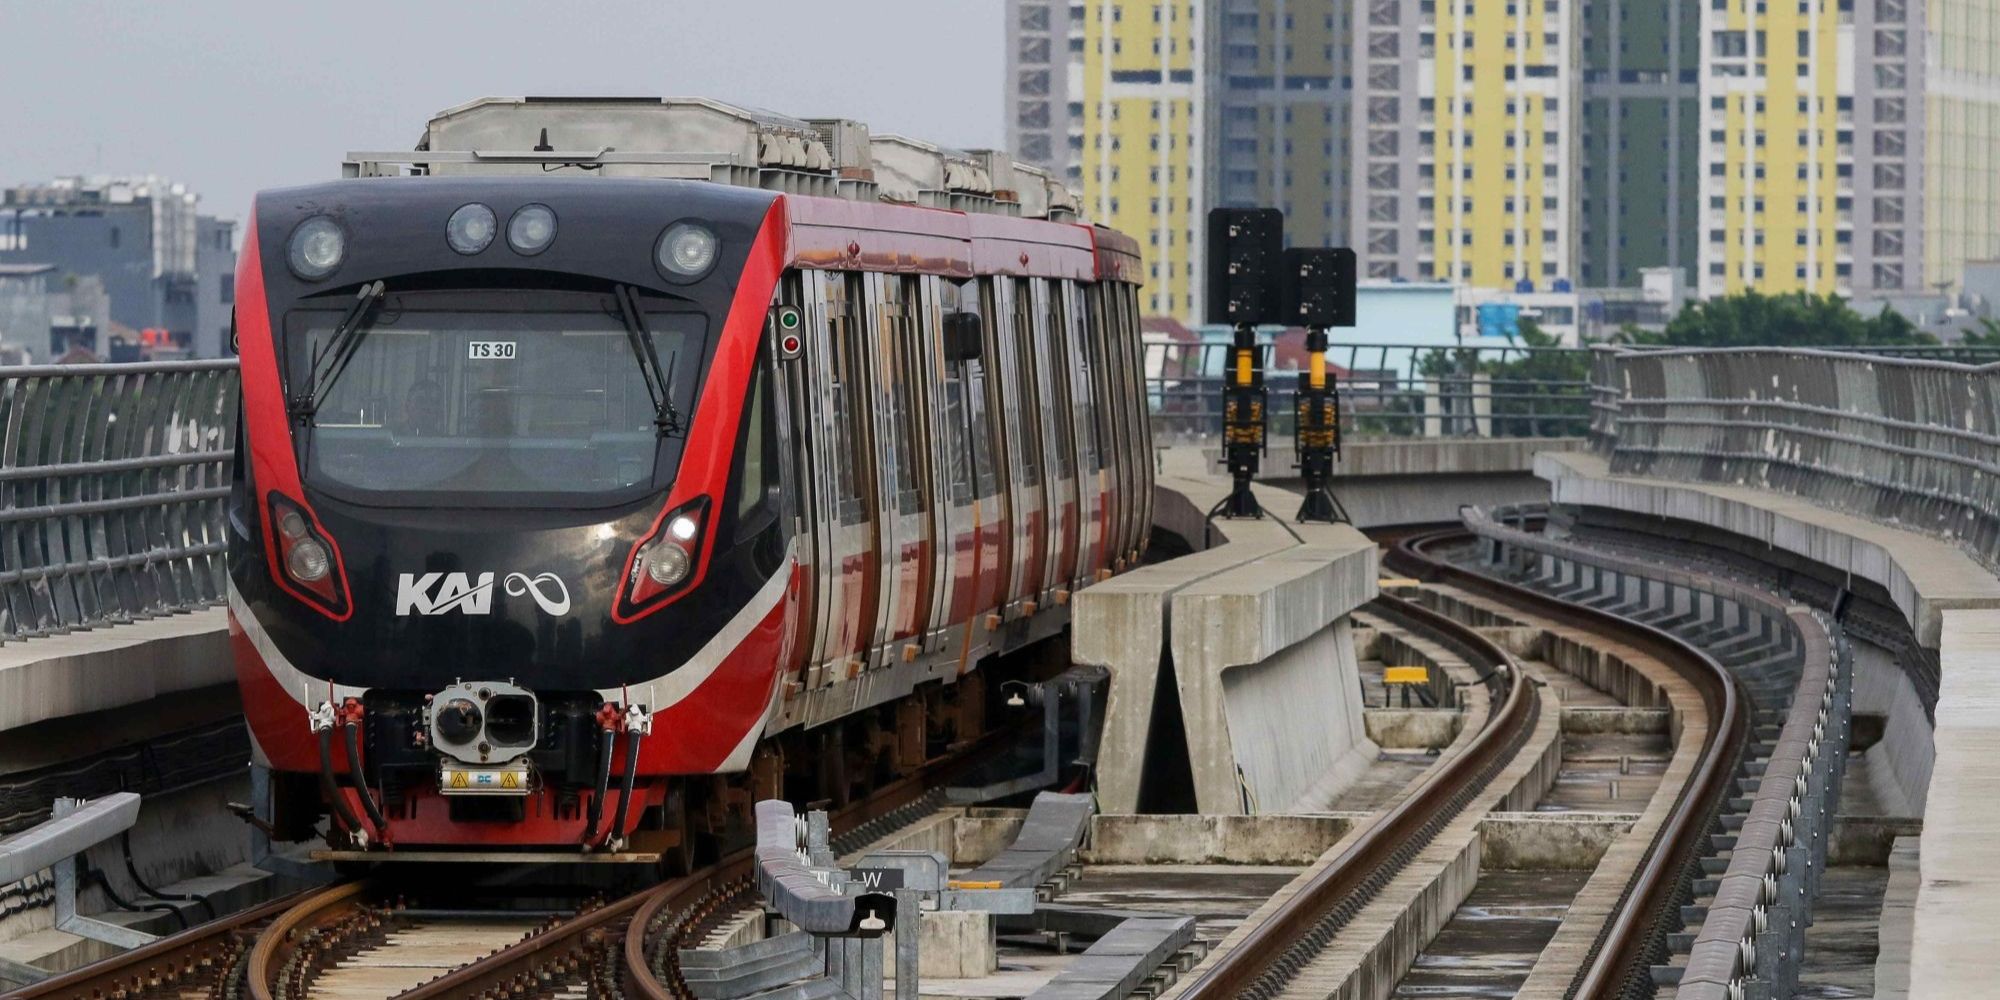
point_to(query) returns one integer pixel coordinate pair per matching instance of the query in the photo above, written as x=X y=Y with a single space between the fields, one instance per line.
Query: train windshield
x=495 y=398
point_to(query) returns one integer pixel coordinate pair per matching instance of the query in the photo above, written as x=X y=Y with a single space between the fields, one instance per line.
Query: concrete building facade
x=1141 y=115
x=1638 y=158
x=1278 y=113
x=162 y=265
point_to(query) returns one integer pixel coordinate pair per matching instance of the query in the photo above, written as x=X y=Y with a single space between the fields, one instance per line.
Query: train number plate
x=489 y=350
x=509 y=779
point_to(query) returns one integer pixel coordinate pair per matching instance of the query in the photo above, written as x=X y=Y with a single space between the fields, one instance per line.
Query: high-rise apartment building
x=1822 y=145
x=1139 y=111
x=1042 y=47
x=1278 y=112
x=1638 y=152
x=1841 y=137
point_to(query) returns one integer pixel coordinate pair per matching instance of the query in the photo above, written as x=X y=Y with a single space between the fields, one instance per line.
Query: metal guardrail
x=112 y=483
x=1914 y=442
x=1387 y=391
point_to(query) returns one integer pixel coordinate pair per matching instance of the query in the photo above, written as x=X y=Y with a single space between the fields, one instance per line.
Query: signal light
x=1243 y=249
x=1319 y=287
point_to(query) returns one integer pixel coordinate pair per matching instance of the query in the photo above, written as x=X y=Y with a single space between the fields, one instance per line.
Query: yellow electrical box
x=1406 y=675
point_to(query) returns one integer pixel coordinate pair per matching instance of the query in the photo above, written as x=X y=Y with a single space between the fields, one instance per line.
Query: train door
x=1039 y=362
x=1021 y=408
x=1081 y=332
x=1135 y=406
x=1113 y=422
x=901 y=448
x=848 y=427
x=795 y=397
x=991 y=476
x=953 y=522
x=1058 y=367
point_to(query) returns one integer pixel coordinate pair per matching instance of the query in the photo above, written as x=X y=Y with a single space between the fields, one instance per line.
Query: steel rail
x=590 y=936
x=1438 y=797
x=1621 y=953
x=202 y=952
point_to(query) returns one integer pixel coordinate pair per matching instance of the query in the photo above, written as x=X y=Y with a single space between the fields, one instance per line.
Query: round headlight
x=682 y=527
x=531 y=230
x=667 y=564
x=471 y=228
x=307 y=561
x=317 y=248
x=292 y=524
x=687 y=250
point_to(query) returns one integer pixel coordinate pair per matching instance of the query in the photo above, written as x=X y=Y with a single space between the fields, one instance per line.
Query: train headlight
x=471 y=228
x=683 y=528
x=686 y=250
x=308 y=562
x=667 y=564
x=317 y=247
x=531 y=230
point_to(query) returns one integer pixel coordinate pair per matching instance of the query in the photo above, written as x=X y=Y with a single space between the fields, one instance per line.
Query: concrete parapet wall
x=1270 y=595
x=1444 y=456
x=1953 y=605
x=88 y=671
x=1269 y=686
x=1923 y=575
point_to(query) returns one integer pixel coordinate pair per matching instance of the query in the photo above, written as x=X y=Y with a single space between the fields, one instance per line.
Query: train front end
x=506 y=542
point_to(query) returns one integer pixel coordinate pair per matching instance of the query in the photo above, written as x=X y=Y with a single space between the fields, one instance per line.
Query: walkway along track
x=1620 y=963
x=628 y=947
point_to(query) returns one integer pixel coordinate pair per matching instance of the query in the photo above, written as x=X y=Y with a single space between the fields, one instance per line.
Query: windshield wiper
x=332 y=359
x=659 y=384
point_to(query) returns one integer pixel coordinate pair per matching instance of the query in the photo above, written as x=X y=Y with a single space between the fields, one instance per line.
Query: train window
x=1056 y=377
x=495 y=397
x=847 y=389
x=760 y=447
x=898 y=337
x=957 y=436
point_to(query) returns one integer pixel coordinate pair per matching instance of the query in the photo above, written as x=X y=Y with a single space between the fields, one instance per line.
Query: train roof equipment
x=693 y=138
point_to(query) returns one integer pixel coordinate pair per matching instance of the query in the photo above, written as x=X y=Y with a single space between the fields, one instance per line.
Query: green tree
x=1793 y=319
x=1987 y=334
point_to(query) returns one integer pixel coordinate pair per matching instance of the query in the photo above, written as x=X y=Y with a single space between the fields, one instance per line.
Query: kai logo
x=472 y=594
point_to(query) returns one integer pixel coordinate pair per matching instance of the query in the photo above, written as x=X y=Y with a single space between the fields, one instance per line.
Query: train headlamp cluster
x=306 y=557
x=686 y=251
x=316 y=248
x=532 y=229
x=666 y=559
x=471 y=228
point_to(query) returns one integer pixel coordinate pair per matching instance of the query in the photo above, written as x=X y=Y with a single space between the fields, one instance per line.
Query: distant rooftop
x=24 y=270
x=99 y=191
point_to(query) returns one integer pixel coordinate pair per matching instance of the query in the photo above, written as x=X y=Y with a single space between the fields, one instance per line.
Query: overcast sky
x=231 y=96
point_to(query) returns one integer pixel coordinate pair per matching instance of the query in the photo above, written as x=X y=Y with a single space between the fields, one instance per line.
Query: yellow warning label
x=1406 y=675
x=458 y=779
x=1397 y=581
x=509 y=779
